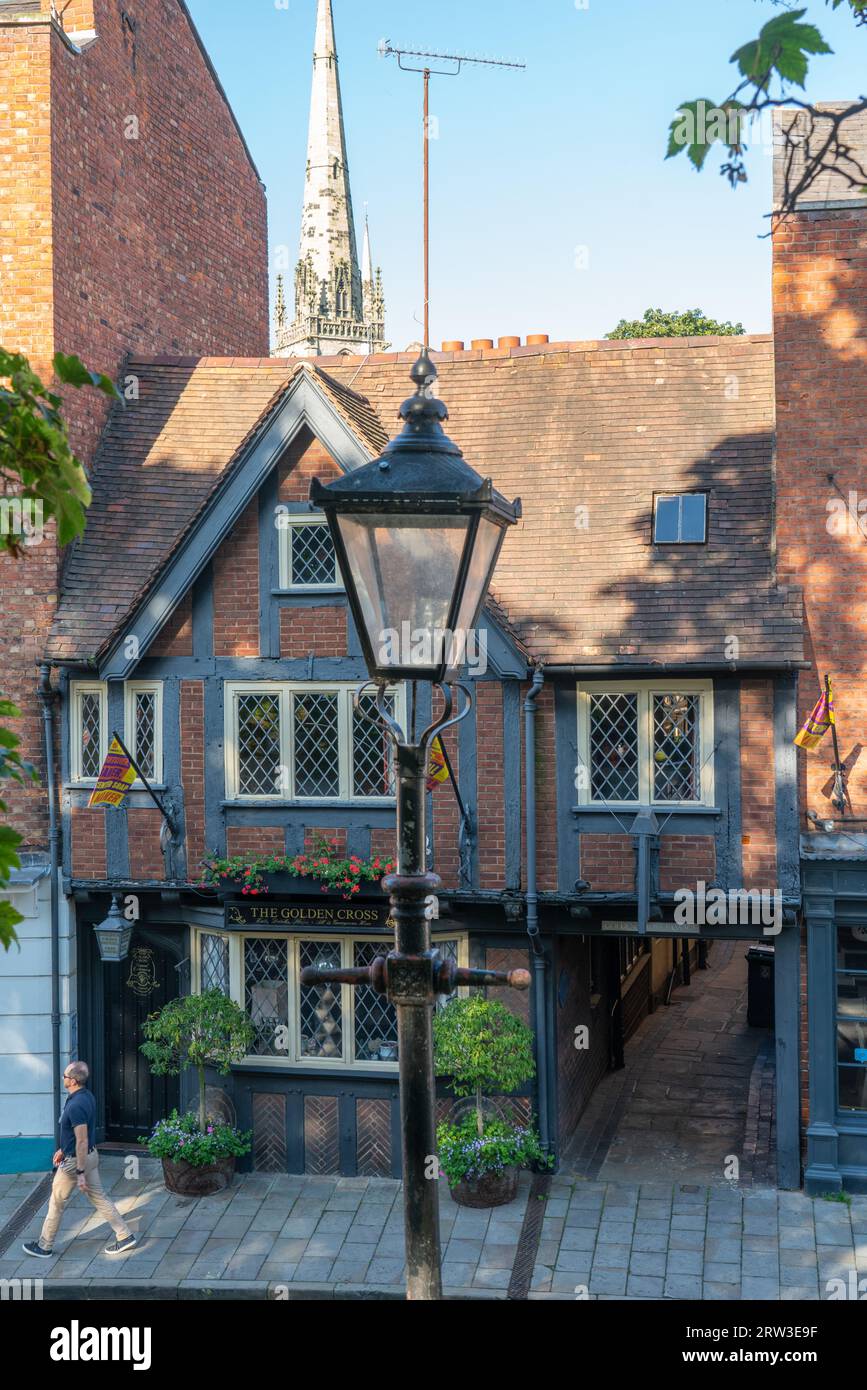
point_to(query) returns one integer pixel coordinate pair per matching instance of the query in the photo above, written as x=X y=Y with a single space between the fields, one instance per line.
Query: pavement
x=283 y=1236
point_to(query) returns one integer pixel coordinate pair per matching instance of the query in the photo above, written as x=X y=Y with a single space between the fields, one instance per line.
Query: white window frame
x=646 y=691
x=293 y=1057
x=288 y=522
x=284 y=691
x=131 y=689
x=78 y=689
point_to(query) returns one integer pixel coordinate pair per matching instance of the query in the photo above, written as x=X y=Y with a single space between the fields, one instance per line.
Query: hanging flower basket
x=293 y=875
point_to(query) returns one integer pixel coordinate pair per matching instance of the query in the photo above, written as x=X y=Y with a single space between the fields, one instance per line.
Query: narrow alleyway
x=696 y=1092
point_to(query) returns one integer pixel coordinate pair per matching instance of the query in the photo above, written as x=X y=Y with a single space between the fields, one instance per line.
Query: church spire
x=329 y=297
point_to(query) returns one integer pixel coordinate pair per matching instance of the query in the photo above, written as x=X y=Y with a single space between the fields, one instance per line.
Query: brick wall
x=685 y=860
x=145 y=856
x=608 y=863
x=236 y=588
x=110 y=245
x=758 y=812
x=320 y=630
x=255 y=839
x=383 y=842
x=176 y=637
x=193 y=772
x=307 y=459
x=820 y=330
x=491 y=815
x=578 y=1069
x=88 y=842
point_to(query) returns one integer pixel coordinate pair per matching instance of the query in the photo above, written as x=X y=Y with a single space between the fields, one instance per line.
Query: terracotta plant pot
x=490 y=1190
x=190 y=1180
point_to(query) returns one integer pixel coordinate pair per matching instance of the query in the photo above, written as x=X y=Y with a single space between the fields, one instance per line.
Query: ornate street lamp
x=417 y=534
x=113 y=934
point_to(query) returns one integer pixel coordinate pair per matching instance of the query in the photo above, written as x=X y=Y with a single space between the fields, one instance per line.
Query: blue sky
x=553 y=208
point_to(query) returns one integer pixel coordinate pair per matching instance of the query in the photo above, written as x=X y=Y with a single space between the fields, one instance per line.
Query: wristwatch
x=79 y=1172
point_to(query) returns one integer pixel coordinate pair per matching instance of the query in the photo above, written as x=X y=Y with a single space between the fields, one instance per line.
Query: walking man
x=77 y=1164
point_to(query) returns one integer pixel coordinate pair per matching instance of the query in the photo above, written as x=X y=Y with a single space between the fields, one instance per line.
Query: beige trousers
x=65 y=1183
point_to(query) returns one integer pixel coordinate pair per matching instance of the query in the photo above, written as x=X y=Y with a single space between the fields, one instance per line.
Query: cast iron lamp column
x=417 y=534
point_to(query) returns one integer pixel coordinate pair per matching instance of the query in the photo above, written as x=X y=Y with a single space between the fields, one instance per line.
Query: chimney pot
x=536 y=339
x=483 y=343
x=453 y=345
x=508 y=342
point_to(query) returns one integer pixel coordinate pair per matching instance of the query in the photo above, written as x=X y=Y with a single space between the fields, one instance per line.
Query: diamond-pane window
x=312 y=559
x=91 y=729
x=375 y=1017
x=614 y=747
x=676 y=748
x=449 y=951
x=258 y=745
x=315 y=728
x=372 y=764
x=213 y=962
x=320 y=1010
x=145 y=735
x=266 y=993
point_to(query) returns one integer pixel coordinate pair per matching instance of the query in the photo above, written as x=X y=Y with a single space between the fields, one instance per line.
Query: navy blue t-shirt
x=80 y=1109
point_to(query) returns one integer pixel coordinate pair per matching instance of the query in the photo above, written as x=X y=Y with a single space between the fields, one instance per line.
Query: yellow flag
x=817 y=723
x=437 y=771
x=116 y=776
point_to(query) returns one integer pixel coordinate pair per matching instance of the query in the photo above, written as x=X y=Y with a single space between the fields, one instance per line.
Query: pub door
x=133 y=989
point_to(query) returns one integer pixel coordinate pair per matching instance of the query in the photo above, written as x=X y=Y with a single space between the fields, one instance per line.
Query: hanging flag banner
x=818 y=722
x=115 y=778
x=437 y=768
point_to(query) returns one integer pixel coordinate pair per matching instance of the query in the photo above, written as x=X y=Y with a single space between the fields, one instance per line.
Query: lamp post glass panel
x=417 y=533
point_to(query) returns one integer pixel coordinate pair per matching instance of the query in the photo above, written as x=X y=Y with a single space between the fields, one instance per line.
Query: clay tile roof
x=585 y=433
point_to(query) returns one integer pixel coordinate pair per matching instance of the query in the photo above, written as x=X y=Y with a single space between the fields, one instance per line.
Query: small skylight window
x=680 y=519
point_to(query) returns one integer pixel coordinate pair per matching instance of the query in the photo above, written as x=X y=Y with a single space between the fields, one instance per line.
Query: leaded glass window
x=375 y=1017
x=266 y=993
x=852 y=1017
x=614 y=746
x=645 y=744
x=316 y=740
x=372 y=763
x=312 y=561
x=258 y=745
x=213 y=963
x=320 y=1007
x=676 y=748
x=294 y=741
x=144 y=737
x=88 y=731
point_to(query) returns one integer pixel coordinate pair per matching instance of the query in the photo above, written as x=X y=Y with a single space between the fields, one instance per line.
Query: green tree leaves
x=38 y=473
x=658 y=323
x=782 y=47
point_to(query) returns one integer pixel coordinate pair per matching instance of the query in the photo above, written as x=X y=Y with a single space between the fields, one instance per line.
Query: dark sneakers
x=118 y=1246
x=34 y=1248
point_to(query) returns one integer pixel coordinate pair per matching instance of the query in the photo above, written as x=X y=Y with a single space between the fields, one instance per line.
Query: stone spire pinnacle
x=329 y=296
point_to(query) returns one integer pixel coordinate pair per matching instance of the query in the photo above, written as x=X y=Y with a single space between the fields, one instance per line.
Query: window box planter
x=322 y=871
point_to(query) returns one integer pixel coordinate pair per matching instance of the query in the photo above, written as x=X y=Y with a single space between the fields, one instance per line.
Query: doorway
x=133 y=989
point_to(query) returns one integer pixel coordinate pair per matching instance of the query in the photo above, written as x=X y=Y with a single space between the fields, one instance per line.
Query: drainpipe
x=533 y=905
x=47 y=695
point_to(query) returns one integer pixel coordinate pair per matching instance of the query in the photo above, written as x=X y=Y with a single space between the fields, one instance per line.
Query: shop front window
x=323 y=1025
x=852 y=1017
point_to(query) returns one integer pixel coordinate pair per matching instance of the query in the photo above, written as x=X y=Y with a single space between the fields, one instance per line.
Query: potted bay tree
x=484 y=1050
x=198 y=1152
